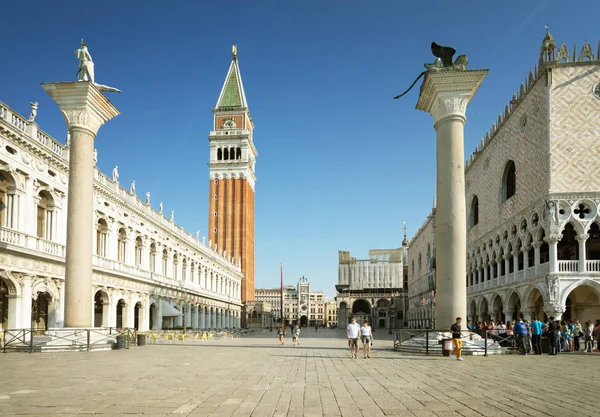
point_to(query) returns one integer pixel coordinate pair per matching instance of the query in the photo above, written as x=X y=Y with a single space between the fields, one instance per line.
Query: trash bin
x=447 y=347
x=141 y=339
x=120 y=342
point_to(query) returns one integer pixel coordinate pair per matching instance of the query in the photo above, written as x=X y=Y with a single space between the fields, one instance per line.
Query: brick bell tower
x=232 y=178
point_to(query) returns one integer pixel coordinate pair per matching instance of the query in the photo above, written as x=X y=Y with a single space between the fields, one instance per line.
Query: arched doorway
x=484 y=311
x=568 y=247
x=121 y=311
x=361 y=310
x=473 y=312
x=101 y=309
x=535 y=302
x=40 y=311
x=137 y=315
x=514 y=307
x=3 y=305
x=497 y=310
x=583 y=303
x=303 y=321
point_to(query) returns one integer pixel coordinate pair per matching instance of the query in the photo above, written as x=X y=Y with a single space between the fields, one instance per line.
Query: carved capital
x=450 y=105
x=582 y=238
x=83 y=118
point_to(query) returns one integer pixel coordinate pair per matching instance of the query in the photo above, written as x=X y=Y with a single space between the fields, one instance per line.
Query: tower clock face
x=304 y=307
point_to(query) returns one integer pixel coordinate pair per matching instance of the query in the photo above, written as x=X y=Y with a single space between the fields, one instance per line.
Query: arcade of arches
x=361 y=309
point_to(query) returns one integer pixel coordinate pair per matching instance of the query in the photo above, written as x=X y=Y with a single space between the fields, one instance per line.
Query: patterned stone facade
x=532 y=195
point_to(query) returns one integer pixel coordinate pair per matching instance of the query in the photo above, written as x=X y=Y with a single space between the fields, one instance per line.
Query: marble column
x=26 y=300
x=202 y=317
x=159 y=318
x=536 y=257
x=445 y=95
x=85 y=109
x=581 y=239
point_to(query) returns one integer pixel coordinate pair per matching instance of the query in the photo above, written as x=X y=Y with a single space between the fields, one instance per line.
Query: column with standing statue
x=85 y=109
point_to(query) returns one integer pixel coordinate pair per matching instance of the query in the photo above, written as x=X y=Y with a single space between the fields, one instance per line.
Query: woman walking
x=280 y=334
x=366 y=336
x=297 y=335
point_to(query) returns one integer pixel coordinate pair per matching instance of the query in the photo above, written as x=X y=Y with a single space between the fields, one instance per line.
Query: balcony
x=38 y=244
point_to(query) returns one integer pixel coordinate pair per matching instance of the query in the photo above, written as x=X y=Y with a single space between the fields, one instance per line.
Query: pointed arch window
x=509 y=181
x=474 y=217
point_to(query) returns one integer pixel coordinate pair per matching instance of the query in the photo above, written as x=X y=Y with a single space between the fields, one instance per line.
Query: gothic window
x=139 y=246
x=509 y=181
x=419 y=262
x=152 y=257
x=45 y=215
x=165 y=260
x=474 y=218
x=219 y=154
x=101 y=238
x=122 y=246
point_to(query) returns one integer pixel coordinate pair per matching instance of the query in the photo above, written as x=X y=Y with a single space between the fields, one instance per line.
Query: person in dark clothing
x=456 y=340
x=520 y=330
x=553 y=334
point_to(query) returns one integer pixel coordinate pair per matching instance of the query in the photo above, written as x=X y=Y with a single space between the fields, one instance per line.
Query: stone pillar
x=85 y=109
x=528 y=314
x=536 y=257
x=26 y=300
x=195 y=317
x=445 y=95
x=202 y=317
x=552 y=309
x=525 y=250
x=159 y=318
x=515 y=255
x=60 y=319
x=506 y=266
x=581 y=239
x=508 y=315
x=552 y=244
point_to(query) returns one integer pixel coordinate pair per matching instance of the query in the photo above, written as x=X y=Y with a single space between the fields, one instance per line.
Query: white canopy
x=169 y=311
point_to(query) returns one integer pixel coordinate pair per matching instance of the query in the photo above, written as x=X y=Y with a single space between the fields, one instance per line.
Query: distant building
x=259 y=314
x=330 y=311
x=373 y=288
x=303 y=306
x=273 y=297
x=421 y=276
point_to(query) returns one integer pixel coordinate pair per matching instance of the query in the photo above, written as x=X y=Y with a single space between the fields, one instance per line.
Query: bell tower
x=232 y=178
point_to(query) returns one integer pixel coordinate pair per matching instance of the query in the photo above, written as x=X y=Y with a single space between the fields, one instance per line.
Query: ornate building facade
x=421 y=276
x=273 y=297
x=533 y=196
x=148 y=272
x=372 y=289
x=232 y=177
x=302 y=306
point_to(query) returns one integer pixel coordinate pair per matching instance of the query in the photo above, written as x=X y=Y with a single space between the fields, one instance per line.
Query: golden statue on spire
x=234 y=51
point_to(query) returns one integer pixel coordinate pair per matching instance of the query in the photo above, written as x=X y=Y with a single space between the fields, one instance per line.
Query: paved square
x=253 y=376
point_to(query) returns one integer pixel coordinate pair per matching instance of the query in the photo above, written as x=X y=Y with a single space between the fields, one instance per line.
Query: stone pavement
x=254 y=376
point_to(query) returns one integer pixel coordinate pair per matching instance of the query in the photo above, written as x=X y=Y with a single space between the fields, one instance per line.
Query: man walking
x=353 y=333
x=456 y=340
x=520 y=330
x=536 y=335
x=553 y=334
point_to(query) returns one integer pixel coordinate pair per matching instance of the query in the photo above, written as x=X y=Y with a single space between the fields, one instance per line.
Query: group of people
x=353 y=332
x=295 y=335
x=563 y=335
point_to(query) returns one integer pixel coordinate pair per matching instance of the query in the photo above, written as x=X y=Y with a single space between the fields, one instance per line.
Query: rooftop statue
x=444 y=55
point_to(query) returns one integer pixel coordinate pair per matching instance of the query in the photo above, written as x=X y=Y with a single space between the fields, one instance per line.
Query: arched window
x=165 y=261
x=122 y=246
x=419 y=262
x=101 y=238
x=184 y=269
x=139 y=246
x=412 y=267
x=45 y=215
x=226 y=154
x=175 y=265
x=232 y=153
x=238 y=154
x=474 y=218
x=7 y=202
x=219 y=154
x=153 y=257
x=509 y=181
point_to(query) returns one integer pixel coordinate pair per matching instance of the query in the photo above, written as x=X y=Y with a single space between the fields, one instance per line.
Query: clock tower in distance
x=232 y=178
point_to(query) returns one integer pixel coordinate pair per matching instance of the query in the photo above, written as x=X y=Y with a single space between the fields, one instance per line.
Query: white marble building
x=303 y=306
x=148 y=272
x=533 y=196
x=372 y=288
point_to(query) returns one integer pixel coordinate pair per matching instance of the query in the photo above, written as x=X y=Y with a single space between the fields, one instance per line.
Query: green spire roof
x=232 y=94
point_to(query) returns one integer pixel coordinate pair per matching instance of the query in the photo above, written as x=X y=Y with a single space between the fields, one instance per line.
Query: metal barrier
x=158 y=337
x=429 y=341
x=35 y=340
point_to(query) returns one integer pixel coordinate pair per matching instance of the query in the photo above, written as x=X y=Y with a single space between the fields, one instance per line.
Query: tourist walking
x=280 y=334
x=366 y=336
x=537 y=329
x=353 y=332
x=577 y=333
x=520 y=330
x=456 y=340
x=296 y=335
x=553 y=335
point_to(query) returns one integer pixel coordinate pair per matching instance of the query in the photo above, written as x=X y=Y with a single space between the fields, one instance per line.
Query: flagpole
x=281 y=293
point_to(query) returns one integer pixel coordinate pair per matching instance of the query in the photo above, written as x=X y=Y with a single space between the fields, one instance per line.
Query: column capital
x=554 y=238
x=82 y=104
x=582 y=238
x=446 y=94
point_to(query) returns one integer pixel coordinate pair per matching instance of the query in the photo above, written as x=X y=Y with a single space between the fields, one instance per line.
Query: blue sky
x=341 y=165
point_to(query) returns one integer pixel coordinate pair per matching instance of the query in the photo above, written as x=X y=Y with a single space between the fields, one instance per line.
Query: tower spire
x=232 y=94
x=405 y=240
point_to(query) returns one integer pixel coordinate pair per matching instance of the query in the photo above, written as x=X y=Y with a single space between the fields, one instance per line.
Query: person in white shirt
x=366 y=336
x=353 y=333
